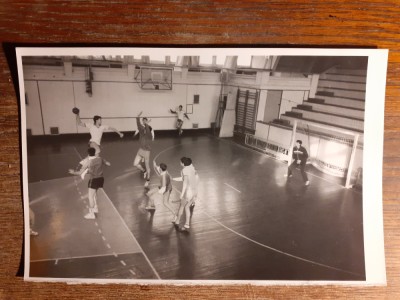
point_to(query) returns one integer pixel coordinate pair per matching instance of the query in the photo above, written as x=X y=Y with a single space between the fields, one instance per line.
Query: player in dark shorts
x=94 y=166
x=164 y=189
x=146 y=136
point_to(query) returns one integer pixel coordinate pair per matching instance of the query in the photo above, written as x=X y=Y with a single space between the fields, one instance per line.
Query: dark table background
x=286 y=23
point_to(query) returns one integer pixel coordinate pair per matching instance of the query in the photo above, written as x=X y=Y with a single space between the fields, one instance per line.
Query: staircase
x=339 y=101
x=338 y=104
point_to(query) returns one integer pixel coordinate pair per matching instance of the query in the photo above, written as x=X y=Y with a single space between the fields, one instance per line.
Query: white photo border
x=372 y=155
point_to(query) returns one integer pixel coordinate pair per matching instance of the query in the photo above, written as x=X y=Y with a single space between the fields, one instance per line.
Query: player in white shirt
x=96 y=131
x=188 y=196
x=180 y=114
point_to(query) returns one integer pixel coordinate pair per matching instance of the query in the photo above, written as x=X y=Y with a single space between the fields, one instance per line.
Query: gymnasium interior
x=250 y=222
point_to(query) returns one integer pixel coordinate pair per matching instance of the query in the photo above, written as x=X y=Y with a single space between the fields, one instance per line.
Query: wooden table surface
x=286 y=23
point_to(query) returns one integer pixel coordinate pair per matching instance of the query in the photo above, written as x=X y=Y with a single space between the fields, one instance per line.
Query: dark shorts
x=95 y=146
x=96 y=183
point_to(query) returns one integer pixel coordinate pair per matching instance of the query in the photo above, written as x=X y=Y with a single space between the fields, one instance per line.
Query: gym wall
x=118 y=98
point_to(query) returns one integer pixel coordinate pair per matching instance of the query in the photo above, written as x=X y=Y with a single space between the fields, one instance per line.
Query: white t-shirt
x=96 y=132
x=192 y=178
x=180 y=114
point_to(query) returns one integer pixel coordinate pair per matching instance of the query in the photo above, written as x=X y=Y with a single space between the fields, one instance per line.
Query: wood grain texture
x=308 y=23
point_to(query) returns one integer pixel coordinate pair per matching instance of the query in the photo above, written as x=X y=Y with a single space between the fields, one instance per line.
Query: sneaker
x=90 y=216
x=307 y=183
x=286 y=175
x=174 y=220
x=33 y=233
x=185 y=228
x=96 y=209
x=147 y=183
x=144 y=174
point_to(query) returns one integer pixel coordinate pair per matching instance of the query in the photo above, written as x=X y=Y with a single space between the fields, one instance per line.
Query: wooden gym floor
x=250 y=223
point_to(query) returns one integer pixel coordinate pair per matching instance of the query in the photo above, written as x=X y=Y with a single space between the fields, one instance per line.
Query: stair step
x=304 y=107
x=340 y=92
x=293 y=114
x=316 y=100
x=331 y=105
x=326 y=123
x=325 y=93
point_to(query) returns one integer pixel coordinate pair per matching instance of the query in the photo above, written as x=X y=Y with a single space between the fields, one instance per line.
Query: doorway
x=272 y=105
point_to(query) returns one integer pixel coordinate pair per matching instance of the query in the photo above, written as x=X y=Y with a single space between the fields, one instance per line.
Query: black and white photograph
x=203 y=165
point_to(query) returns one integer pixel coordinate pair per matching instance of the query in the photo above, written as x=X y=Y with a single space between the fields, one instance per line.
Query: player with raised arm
x=180 y=115
x=164 y=189
x=146 y=136
x=96 y=130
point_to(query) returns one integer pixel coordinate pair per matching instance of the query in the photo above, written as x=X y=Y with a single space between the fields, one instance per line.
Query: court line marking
x=67 y=175
x=76 y=151
x=126 y=174
x=52 y=179
x=282 y=162
x=278 y=160
x=279 y=251
x=268 y=247
x=232 y=187
x=142 y=186
x=33 y=202
x=228 y=228
x=126 y=226
x=40 y=199
x=171 y=147
x=83 y=256
x=253 y=241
